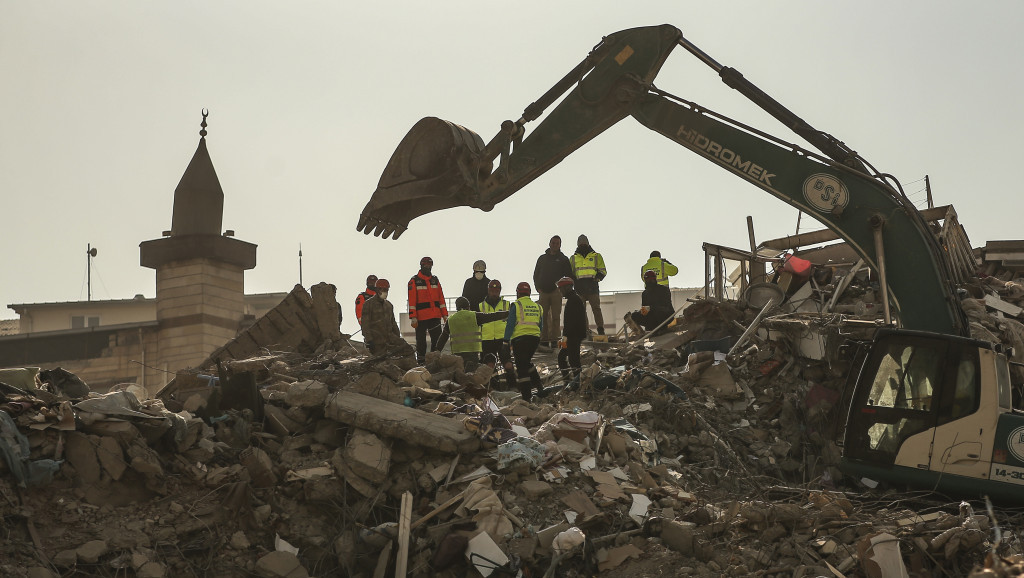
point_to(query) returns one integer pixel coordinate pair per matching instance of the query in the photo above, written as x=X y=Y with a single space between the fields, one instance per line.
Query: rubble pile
x=706 y=450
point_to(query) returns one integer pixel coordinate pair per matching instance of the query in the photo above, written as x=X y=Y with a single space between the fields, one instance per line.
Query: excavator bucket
x=436 y=166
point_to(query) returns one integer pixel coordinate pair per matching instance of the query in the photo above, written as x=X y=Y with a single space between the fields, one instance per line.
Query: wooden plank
x=449 y=503
x=382 y=560
x=405 y=516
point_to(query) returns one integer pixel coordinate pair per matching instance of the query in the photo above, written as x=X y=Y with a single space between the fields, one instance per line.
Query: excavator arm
x=441 y=165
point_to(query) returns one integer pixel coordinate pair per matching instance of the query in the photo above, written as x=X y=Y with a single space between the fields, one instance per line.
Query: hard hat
x=461 y=303
x=494 y=284
x=426 y=262
x=523 y=288
x=382 y=284
x=479 y=266
x=650 y=275
x=564 y=282
x=655 y=253
x=370 y=280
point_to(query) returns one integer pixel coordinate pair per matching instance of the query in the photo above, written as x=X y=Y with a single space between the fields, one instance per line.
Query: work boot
x=600 y=329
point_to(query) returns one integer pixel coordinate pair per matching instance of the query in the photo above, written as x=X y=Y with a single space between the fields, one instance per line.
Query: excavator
x=929 y=406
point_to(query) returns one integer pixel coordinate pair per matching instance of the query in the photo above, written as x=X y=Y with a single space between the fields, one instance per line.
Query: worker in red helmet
x=427 y=308
x=656 y=305
x=493 y=333
x=380 y=328
x=522 y=332
x=370 y=291
x=574 y=331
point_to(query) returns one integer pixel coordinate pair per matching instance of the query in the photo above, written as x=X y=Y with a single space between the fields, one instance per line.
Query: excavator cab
x=436 y=166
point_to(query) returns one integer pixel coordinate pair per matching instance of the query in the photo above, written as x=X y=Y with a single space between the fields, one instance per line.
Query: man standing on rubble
x=588 y=270
x=380 y=329
x=464 y=328
x=427 y=307
x=492 y=334
x=370 y=291
x=475 y=288
x=551 y=266
x=574 y=332
x=656 y=305
x=662 y=267
x=522 y=331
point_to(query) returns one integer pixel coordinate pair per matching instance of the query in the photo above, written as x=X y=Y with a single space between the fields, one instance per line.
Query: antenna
x=90 y=252
x=300 y=263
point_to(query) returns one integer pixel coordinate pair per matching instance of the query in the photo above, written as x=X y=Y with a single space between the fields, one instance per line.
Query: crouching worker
x=463 y=328
x=380 y=329
x=574 y=331
x=656 y=305
x=522 y=331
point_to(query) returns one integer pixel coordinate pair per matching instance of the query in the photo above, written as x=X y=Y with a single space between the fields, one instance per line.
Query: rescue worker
x=662 y=267
x=370 y=291
x=464 y=328
x=587 y=272
x=493 y=333
x=656 y=305
x=380 y=329
x=475 y=288
x=551 y=266
x=427 y=307
x=574 y=332
x=522 y=331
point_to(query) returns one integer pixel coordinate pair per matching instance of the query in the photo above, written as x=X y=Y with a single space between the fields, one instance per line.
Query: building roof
x=17 y=307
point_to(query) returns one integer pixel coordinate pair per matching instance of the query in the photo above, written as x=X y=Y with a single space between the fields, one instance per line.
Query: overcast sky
x=101 y=102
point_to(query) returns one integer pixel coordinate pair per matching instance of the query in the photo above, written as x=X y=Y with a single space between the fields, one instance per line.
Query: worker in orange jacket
x=426 y=307
x=370 y=291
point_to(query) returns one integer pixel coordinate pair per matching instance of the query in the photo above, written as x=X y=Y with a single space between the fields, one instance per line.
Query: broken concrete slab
x=368 y=456
x=397 y=421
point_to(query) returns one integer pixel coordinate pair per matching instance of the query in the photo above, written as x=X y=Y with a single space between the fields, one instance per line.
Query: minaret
x=199 y=271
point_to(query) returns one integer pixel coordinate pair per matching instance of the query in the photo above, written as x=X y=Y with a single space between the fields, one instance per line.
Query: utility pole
x=90 y=252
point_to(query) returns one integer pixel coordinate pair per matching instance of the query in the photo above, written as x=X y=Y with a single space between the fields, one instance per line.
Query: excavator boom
x=441 y=165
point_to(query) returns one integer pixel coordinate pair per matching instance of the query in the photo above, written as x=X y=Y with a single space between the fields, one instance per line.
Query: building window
x=80 y=321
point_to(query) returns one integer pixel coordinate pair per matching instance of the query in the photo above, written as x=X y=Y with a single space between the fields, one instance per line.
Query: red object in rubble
x=796 y=266
x=769 y=366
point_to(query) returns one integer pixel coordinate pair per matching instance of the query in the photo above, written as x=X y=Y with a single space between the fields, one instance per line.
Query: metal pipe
x=877 y=222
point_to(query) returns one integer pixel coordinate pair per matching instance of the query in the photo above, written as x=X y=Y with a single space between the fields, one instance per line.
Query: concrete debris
x=682 y=451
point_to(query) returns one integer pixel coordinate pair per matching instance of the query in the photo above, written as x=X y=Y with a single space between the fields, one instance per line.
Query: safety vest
x=465 y=332
x=661 y=268
x=360 y=300
x=528 y=316
x=588 y=266
x=494 y=329
x=426 y=299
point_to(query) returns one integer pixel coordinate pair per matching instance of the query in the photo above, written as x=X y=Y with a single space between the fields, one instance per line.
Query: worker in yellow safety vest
x=587 y=271
x=522 y=331
x=464 y=330
x=662 y=268
x=493 y=333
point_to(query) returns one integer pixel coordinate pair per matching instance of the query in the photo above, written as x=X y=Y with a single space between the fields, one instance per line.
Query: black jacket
x=550 y=268
x=659 y=299
x=475 y=291
x=575 y=316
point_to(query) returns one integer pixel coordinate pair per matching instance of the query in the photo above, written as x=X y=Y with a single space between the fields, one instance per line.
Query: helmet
x=564 y=282
x=426 y=262
x=461 y=303
x=382 y=284
x=523 y=288
x=371 y=280
x=479 y=266
x=650 y=275
x=494 y=284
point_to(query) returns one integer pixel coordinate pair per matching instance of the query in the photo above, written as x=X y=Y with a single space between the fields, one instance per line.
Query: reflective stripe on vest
x=464 y=331
x=528 y=316
x=494 y=329
x=584 y=267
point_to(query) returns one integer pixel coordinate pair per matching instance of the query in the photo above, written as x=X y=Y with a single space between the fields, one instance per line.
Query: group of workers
x=487 y=328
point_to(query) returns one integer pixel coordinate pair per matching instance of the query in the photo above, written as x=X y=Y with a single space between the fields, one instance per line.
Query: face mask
x=426 y=270
x=479 y=275
x=382 y=294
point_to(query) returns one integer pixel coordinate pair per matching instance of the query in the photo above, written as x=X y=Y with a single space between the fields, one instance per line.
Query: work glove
x=414 y=322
